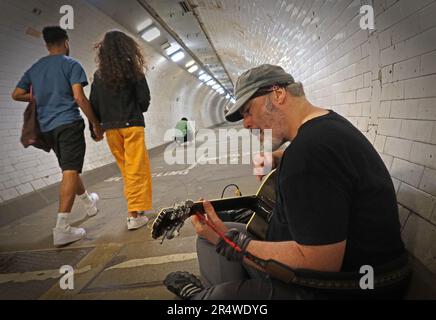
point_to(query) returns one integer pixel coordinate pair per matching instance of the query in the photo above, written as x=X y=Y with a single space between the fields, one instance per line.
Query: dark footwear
x=183 y=284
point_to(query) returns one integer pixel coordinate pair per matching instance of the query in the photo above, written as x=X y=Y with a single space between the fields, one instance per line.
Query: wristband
x=241 y=239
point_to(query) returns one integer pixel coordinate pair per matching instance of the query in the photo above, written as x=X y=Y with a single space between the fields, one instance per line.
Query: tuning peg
x=188 y=205
x=177 y=231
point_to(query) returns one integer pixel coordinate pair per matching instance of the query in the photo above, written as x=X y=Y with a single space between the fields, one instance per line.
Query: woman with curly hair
x=119 y=97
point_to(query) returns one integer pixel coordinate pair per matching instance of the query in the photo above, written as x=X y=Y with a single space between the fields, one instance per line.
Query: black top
x=333 y=186
x=122 y=108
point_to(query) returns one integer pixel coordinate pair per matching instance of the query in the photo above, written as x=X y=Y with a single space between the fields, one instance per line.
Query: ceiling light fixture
x=205 y=77
x=193 y=69
x=150 y=34
x=144 y=25
x=190 y=63
x=174 y=48
x=179 y=55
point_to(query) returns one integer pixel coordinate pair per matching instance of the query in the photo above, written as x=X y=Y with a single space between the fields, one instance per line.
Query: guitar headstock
x=170 y=220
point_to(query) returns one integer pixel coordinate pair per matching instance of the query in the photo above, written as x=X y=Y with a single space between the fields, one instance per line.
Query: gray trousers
x=225 y=280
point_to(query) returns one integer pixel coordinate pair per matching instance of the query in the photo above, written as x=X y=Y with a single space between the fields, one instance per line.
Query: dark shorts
x=68 y=143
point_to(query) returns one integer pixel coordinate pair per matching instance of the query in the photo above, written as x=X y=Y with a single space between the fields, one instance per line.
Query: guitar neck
x=246 y=202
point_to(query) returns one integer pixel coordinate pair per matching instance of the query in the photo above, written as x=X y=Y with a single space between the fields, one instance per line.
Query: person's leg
x=89 y=200
x=80 y=187
x=214 y=268
x=70 y=150
x=255 y=289
x=68 y=190
x=115 y=141
x=226 y=280
x=137 y=170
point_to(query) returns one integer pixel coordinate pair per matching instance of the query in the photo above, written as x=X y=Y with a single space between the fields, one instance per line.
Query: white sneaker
x=92 y=209
x=70 y=234
x=136 y=223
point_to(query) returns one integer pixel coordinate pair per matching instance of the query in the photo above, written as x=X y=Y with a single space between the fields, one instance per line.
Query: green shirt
x=182 y=126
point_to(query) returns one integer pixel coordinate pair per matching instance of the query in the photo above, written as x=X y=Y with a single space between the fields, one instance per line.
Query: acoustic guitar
x=170 y=220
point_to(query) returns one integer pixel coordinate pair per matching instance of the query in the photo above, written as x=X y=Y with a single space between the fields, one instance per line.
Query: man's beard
x=274 y=143
x=277 y=143
x=68 y=52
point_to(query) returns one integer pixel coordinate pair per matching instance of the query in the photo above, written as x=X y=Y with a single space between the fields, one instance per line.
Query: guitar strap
x=384 y=276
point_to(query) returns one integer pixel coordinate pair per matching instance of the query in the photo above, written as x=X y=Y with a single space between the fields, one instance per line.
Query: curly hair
x=120 y=60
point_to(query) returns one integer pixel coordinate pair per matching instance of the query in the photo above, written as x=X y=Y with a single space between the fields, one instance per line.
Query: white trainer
x=70 y=234
x=92 y=209
x=136 y=223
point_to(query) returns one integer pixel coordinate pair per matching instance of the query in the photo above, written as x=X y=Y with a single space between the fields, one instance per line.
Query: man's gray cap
x=251 y=81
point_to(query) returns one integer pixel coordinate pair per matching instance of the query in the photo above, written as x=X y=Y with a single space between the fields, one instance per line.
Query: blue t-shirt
x=51 y=79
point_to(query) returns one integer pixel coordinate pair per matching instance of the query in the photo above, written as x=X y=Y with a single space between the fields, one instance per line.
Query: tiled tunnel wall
x=175 y=93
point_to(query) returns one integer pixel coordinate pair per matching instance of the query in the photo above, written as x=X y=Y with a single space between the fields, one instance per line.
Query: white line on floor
x=155 y=260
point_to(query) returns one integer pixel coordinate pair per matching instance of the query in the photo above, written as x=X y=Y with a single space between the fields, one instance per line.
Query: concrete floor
x=111 y=262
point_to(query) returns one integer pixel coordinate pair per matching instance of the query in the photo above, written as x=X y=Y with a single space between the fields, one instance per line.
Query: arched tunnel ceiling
x=182 y=18
x=257 y=32
x=231 y=36
x=247 y=33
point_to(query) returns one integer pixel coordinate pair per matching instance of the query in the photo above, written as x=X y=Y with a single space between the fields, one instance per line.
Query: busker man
x=335 y=211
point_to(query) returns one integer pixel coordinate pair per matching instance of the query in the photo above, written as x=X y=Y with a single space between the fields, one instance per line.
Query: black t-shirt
x=333 y=186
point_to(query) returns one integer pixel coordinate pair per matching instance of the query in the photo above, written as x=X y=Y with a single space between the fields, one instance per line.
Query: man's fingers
x=195 y=221
x=208 y=208
x=258 y=160
x=210 y=211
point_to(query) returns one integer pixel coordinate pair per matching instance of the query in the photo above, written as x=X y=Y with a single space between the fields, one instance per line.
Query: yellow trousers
x=128 y=147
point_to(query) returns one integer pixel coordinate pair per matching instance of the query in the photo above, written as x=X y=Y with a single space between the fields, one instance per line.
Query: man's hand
x=203 y=230
x=265 y=162
x=85 y=106
x=98 y=132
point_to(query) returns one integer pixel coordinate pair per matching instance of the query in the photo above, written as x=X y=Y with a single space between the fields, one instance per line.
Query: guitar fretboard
x=246 y=202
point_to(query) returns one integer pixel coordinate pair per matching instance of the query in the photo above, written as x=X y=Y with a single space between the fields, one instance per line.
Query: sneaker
x=65 y=236
x=92 y=209
x=183 y=284
x=136 y=223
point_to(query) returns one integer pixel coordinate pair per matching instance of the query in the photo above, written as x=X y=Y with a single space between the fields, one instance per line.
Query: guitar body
x=266 y=198
x=170 y=220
